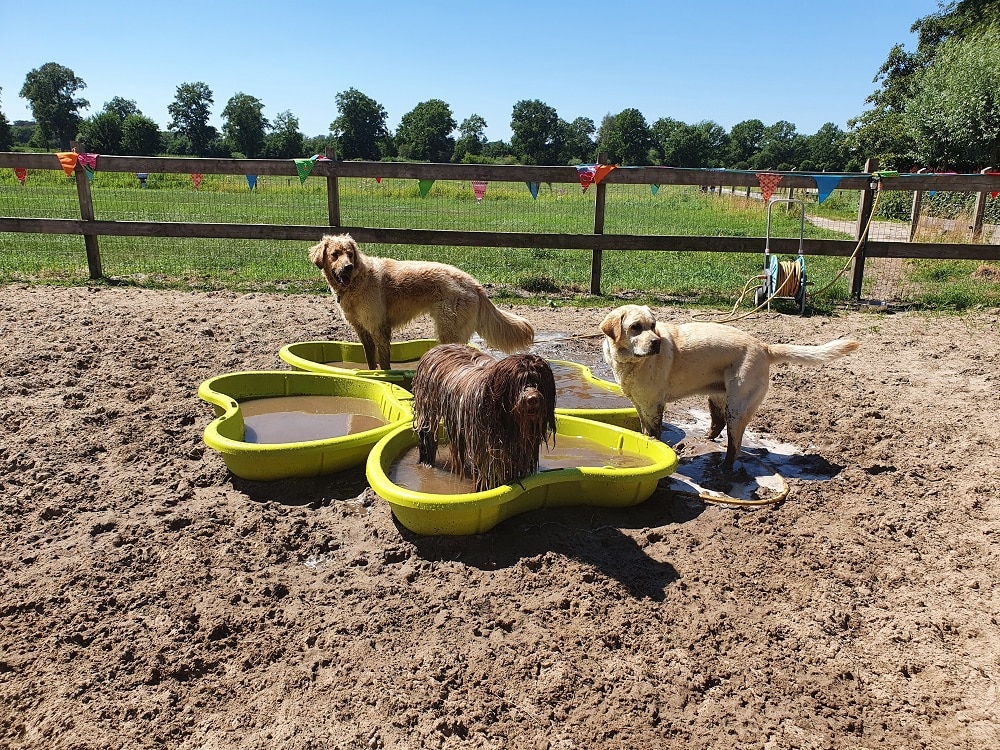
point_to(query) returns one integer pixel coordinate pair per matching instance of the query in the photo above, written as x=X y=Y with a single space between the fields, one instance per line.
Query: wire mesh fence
x=674 y=211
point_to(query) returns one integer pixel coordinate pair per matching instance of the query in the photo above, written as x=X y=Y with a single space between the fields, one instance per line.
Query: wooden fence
x=90 y=228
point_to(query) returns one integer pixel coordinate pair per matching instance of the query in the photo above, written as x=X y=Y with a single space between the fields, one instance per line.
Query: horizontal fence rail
x=861 y=247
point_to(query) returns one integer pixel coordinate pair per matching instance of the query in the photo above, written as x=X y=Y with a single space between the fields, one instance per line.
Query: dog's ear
x=611 y=326
x=317 y=253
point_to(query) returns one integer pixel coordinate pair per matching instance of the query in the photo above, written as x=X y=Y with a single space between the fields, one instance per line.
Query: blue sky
x=805 y=62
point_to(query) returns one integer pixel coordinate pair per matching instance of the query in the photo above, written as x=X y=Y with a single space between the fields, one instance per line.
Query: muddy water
x=409 y=364
x=574 y=392
x=568 y=453
x=293 y=419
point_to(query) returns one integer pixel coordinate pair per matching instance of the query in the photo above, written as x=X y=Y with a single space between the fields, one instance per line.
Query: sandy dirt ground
x=150 y=599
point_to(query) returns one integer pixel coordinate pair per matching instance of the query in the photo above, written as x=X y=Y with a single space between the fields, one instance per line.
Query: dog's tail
x=501 y=329
x=801 y=354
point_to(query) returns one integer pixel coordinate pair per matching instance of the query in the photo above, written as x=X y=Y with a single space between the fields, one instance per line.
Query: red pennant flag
x=20 y=173
x=995 y=192
x=378 y=180
x=68 y=160
x=196 y=179
x=479 y=188
x=768 y=183
x=586 y=173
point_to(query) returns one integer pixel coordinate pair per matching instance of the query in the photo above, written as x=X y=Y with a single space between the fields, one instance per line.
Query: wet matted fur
x=377 y=295
x=656 y=363
x=497 y=412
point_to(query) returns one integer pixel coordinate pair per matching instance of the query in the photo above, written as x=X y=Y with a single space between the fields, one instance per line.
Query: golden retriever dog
x=656 y=363
x=378 y=295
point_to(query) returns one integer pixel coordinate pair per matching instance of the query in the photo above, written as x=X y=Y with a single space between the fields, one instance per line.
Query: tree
x=245 y=125
x=954 y=114
x=122 y=108
x=471 y=138
x=777 y=147
x=140 y=136
x=577 y=142
x=189 y=117
x=285 y=141
x=360 y=127
x=745 y=141
x=50 y=90
x=626 y=138
x=424 y=133
x=6 y=137
x=700 y=145
x=884 y=131
x=535 y=132
x=826 y=150
x=101 y=133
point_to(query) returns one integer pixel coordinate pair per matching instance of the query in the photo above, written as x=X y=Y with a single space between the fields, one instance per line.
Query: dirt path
x=151 y=600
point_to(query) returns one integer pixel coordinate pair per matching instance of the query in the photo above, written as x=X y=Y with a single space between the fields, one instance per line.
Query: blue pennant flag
x=533 y=187
x=826 y=183
x=655 y=189
x=252 y=181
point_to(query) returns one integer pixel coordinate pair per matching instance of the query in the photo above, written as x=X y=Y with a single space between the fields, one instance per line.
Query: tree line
x=937 y=107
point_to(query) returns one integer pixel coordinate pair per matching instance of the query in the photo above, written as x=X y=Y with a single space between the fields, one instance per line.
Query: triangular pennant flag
x=143 y=176
x=995 y=192
x=768 y=182
x=196 y=179
x=252 y=181
x=655 y=189
x=378 y=180
x=425 y=186
x=90 y=174
x=68 y=160
x=479 y=189
x=89 y=161
x=826 y=184
x=20 y=173
x=586 y=174
x=304 y=167
x=602 y=171
x=533 y=189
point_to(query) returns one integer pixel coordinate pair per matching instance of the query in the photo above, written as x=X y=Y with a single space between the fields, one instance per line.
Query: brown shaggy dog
x=378 y=295
x=497 y=412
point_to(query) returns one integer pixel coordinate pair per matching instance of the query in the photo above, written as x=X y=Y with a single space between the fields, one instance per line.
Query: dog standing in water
x=656 y=363
x=497 y=412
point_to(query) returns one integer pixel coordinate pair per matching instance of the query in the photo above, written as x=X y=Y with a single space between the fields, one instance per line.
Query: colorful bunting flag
x=533 y=189
x=142 y=178
x=995 y=192
x=768 y=183
x=68 y=160
x=252 y=181
x=425 y=186
x=826 y=184
x=655 y=189
x=378 y=180
x=89 y=162
x=20 y=173
x=196 y=179
x=602 y=171
x=479 y=188
x=304 y=167
x=586 y=173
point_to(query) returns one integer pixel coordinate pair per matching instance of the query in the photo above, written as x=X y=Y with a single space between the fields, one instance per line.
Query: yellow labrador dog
x=656 y=362
x=378 y=295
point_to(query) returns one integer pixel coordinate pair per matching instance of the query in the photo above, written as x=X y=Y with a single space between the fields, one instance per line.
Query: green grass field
x=531 y=275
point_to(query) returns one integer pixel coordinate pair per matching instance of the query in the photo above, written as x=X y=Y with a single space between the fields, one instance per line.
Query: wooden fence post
x=87 y=214
x=980 y=211
x=333 y=191
x=597 y=258
x=861 y=231
x=918 y=200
